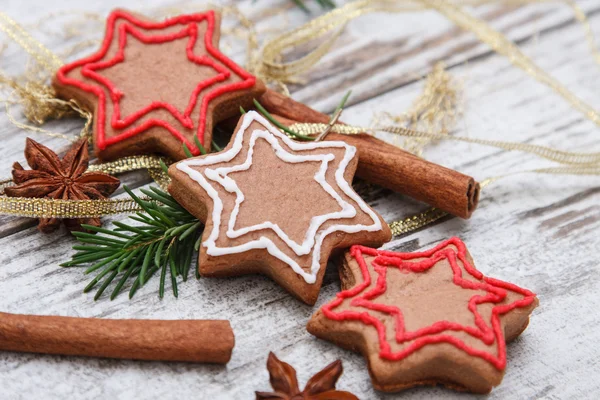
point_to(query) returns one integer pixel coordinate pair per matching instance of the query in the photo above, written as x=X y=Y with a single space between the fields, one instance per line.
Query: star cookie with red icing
x=275 y=206
x=153 y=86
x=425 y=318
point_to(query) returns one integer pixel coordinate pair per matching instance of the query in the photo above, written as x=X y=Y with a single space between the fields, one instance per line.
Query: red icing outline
x=432 y=334
x=93 y=63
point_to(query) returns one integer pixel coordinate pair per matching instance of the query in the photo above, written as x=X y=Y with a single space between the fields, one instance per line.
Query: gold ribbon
x=432 y=215
x=573 y=163
x=418 y=221
x=502 y=45
x=558 y=156
x=50 y=208
x=133 y=163
x=126 y=164
x=39 y=100
x=41 y=53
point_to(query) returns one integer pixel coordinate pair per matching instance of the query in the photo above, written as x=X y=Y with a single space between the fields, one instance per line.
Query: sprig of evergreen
x=165 y=242
x=326 y=4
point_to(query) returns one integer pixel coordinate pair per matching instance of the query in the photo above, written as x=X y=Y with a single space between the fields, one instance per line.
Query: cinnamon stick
x=206 y=341
x=387 y=165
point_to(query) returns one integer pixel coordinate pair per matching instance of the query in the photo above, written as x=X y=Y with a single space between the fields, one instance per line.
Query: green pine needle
x=325 y=4
x=163 y=275
x=216 y=147
x=164 y=166
x=300 y=4
x=199 y=145
x=343 y=102
x=187 y=151
x=105 y=284
x=278 y=124
x=163 y=237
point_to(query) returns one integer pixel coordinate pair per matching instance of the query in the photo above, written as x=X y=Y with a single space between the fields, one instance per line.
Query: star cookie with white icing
x=275 y=206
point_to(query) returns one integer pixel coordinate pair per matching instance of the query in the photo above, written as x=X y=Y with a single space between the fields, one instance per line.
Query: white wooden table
x=540 y=232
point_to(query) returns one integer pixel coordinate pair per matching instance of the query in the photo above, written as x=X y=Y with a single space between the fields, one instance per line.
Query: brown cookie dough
x=425 y=318
x=155 y=85
x=275 y=206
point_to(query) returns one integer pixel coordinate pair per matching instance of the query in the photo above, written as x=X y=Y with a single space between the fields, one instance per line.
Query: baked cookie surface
x=425 y=318
x=275 y=206
x=155 y=85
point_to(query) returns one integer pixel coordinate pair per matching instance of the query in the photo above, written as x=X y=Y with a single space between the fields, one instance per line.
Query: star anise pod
x=66 y=179
x=319 y=387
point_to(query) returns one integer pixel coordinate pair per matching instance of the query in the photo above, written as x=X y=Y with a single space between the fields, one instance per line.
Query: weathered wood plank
x=537 y=231
x=403 y=48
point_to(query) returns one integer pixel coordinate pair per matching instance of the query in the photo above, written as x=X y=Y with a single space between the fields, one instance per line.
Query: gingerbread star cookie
x=425 y=318
x=275 y=206
x=155 y=85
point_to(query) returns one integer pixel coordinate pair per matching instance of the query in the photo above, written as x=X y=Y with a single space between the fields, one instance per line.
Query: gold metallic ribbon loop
x=150 y=163
x=127 y=164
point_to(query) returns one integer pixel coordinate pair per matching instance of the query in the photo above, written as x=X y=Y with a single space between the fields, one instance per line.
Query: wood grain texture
x=540 y=232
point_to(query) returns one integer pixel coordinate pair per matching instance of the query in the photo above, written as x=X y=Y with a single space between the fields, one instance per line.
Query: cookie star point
x=293 y=251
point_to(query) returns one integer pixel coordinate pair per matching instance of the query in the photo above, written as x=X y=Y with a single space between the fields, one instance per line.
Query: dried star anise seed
x=66 y=179
x=319 y=387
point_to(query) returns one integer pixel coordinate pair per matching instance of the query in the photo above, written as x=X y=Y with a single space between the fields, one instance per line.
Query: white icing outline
x=313 y=239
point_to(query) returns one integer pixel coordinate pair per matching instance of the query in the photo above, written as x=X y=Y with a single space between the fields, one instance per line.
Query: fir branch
x=325 y=4
x=300 y=3
x=166 y=239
